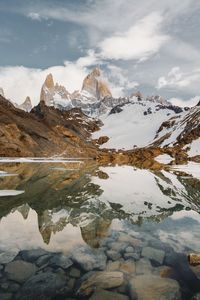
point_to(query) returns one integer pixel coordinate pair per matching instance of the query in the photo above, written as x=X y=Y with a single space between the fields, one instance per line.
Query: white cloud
x=120 y=83
x=179 y=79
x=90 y=59
x=180 y=102
x=139 y=42
x=35 y=16
x=19 y=82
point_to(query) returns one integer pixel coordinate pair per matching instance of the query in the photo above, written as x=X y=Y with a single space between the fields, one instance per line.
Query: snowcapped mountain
x=94 y=99
x=126 y=123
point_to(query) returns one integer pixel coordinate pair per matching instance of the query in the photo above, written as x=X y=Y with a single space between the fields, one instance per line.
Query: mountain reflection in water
x=69 y=204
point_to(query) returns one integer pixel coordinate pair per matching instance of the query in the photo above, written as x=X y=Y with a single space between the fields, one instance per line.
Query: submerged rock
x=60 y=260
x=143 y=266
x=42 y=286
x=148 y=287
x=101 y=294
x=20 y=271
x=114 y=255
x=5 y=296
x=89 y=259
x=33 y=254
x=154 y=254
x=6 y=257
x=104 y=280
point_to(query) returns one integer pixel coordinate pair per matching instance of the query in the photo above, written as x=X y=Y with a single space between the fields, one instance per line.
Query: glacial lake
x=71 y=220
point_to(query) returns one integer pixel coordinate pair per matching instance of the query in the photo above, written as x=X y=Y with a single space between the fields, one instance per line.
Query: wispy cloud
x=35 y=16
x=139 y=42
x=179 y=79
x=189 y=102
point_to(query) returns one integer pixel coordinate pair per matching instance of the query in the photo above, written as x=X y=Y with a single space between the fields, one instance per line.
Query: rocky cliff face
x=95 y=85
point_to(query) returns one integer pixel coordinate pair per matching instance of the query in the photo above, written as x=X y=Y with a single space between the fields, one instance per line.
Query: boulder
x=148 y=287
x=33 y=254
x=154 y=254
x=60 y=260
x=104 y=280
x=20 y=271
x=42 y=286
x=143 y=266
x=6 y=257
x=101 y=294
x=89 y=259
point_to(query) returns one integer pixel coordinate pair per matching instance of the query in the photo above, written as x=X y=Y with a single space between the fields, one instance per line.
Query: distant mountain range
x=92 y=123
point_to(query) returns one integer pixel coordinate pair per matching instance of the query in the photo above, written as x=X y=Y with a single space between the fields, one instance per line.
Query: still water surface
x=124 y=212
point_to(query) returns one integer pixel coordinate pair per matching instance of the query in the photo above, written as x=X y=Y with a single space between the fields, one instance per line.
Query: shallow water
x=133 y=216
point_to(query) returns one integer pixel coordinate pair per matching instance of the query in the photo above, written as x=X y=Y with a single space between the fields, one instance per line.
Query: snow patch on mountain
x=191 y=168
x=194 y=148
x=135 y=126
x=164 y=158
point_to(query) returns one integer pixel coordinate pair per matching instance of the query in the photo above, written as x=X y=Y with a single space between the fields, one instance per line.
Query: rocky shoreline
x=124 y=267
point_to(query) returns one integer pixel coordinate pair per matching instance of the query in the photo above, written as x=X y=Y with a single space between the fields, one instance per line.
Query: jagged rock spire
x=50 y=91
x=26 y=105
x=49 y=82
x=95 y=85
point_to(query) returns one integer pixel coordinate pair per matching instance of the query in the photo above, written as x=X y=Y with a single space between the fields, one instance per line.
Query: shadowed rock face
x=45 y=131
x=94 y=85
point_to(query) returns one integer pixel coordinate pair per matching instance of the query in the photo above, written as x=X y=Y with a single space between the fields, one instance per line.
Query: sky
x=151 y=46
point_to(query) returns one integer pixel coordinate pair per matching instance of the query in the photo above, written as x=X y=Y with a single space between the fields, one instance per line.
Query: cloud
x=120 y=84
x=90 y=59
x=139 y=42
x=19 y=82
x=35 y=16
x=179 y=79
x=183 y=103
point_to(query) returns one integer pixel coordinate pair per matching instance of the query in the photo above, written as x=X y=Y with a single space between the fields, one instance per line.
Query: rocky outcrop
x=95 y=85
x=45 y=131
x=26 y=105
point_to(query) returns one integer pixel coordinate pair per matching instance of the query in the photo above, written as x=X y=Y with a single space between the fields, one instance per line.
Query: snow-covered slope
x=135 y=124
x=181 y=130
